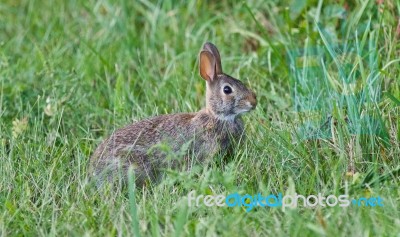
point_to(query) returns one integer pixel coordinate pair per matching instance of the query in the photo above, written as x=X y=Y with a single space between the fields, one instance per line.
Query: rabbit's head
x=227 y=97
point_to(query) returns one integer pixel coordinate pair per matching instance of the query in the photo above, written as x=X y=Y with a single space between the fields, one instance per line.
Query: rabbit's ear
x=207 y=65
x=213 y=49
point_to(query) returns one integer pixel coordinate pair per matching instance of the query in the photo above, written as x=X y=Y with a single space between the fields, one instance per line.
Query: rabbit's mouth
x=247 y=107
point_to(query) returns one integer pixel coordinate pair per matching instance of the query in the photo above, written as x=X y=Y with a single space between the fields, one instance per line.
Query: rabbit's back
x=146 y=144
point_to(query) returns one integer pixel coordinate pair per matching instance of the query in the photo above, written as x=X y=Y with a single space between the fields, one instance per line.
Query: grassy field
x=326 y=74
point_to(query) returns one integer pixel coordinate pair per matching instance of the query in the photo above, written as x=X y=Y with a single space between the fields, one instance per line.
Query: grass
x=73 y=71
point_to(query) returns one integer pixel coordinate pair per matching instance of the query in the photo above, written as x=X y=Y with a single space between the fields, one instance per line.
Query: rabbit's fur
x=145 y=145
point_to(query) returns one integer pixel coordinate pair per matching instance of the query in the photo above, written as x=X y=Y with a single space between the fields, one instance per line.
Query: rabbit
x=144 y=145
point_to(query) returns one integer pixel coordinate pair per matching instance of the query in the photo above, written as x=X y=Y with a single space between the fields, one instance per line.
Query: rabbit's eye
x=227 y=90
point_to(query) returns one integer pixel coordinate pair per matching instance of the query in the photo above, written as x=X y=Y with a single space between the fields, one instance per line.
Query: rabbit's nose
x=252 y=98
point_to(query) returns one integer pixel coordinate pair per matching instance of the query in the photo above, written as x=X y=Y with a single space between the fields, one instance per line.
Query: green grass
x=73 y=71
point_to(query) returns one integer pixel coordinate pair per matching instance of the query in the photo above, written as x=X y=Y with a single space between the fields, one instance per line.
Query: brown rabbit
x=145 y=145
